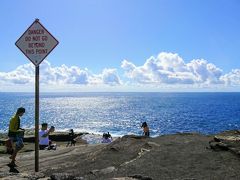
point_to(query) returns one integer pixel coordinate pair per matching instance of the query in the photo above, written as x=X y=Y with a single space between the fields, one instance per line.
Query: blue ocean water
x=123 y=113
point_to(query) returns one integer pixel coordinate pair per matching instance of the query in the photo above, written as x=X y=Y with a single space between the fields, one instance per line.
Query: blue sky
x=137 y=45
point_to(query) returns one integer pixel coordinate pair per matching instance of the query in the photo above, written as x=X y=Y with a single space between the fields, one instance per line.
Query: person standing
x=15 y=134
x=71 y=140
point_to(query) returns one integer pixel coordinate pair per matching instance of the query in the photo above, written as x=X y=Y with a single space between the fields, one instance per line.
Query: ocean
x=123 y=113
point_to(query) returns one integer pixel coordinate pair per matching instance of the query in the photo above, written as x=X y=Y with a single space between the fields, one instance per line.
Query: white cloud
x=169 y=68
x=166 y=72
x=22 y=75
x=61 y=75
x=232 y=78
x=205 y=72
x=110 y=76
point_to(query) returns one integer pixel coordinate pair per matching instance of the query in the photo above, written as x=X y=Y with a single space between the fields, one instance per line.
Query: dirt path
x=52 y=159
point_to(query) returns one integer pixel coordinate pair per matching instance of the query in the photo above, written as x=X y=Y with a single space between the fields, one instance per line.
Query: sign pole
x=36 y=43
x=37 y=118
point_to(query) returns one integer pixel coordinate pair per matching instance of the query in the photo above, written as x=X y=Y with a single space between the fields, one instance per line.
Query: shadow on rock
x=13 y=170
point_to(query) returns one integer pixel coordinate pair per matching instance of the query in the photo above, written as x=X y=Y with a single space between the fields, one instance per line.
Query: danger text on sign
x=36 y=43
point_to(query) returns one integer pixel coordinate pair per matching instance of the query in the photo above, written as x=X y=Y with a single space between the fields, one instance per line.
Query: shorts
x=19 y=142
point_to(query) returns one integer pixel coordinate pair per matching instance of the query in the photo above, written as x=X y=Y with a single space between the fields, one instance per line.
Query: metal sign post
x=36 y=118
x=36 y=43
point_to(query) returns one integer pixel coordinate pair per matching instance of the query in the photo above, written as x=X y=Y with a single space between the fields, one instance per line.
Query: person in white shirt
x=44 y=136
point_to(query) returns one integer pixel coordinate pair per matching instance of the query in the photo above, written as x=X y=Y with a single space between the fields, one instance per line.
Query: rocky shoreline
x=56 y=136
x=176 y=156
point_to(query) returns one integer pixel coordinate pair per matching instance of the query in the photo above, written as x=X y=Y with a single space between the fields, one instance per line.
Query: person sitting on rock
x=145 y=129
x=44 y=142
x=106 y=138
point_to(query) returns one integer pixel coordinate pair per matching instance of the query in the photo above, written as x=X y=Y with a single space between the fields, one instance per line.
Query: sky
x=122 y=45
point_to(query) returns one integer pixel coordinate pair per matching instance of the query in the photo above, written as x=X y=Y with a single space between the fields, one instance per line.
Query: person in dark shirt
x=72 y=140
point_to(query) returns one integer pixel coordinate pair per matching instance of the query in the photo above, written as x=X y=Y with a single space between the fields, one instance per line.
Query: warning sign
x=36 y=43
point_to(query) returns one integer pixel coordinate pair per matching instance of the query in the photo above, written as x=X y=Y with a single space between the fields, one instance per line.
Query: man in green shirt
x=15 y=133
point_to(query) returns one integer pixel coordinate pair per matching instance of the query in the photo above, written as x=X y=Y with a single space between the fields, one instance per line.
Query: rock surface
x=178 y=156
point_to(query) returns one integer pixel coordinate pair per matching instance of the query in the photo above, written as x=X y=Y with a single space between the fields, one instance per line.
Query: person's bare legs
x=14 y=154
x=13 y=157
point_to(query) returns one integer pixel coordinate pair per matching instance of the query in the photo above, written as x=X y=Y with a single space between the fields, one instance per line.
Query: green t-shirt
x=14 y=126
